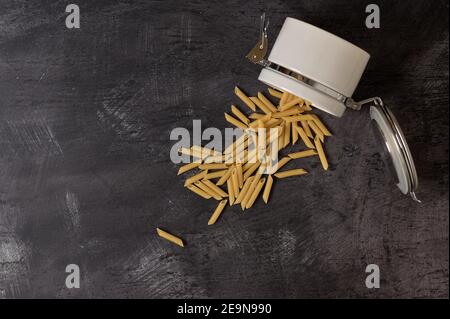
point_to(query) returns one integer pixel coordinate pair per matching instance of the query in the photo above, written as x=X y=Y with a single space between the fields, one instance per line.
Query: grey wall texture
x=85 y=174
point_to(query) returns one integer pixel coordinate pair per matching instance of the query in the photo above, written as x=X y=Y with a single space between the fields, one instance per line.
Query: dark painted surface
x=85 y=175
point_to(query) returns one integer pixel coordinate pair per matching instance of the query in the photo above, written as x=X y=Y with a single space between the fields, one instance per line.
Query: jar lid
x=397 y=147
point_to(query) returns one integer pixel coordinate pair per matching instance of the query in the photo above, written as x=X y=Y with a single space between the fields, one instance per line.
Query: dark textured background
x=85 y=175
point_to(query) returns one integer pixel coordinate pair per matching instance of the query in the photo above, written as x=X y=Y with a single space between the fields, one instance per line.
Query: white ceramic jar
x=324 y=69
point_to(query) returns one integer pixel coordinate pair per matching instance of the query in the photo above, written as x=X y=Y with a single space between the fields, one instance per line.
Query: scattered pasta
x=246 y=167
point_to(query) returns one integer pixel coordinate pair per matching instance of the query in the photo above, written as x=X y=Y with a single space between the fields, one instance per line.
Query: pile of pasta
x=239 y=174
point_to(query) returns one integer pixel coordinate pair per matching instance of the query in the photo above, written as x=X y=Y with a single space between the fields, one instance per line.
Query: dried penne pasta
x=287 y=134
x=294 y=132
x=251 y=170
x=243 y=162
x=267 y=102
x=240 y=175
x=244 y=98
x=256 y=116
x=174 y=239
x=217 y=174
x=224 y=178
x=322 y=156
x=282 y=162
x=241 y=116
x=286 y=114
x=267 y=189
x=306 y=128
x=235 y=182
x=198 y=191
x=291 y=103
x=230 y=191
x=195 y=178
x=244 y=190
x=316 y=130
x=215 y=188
x=275 y=93
x=321 y=126
x=292 y=172
x=235 y=122
x=188 y=167
x=251 y=189
x=304 y=137
x=260 y=104
x=302 y=154
x=255 y=193
x=217 y=212
x=207 y=190
x=283 y=99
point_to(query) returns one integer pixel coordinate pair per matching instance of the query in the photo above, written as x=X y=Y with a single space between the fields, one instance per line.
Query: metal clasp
x=259 y=51
x=350 y=103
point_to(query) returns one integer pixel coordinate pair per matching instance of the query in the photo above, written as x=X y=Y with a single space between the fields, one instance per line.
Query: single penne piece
x=235 y=122
x=305 y=137
x=217 y=174
x=316 y=130
x=213 y=166
x=174 y=239
x=224 y=177
x=230 y=191
x=195 y=178
x=322 y=156
x=267 y=189
x=286 y=114
x=251 y=189
x=215 y=188
x=207 y=190
x=241 y=116
x=212 y=220
x=251 y=170
x=188 y=167
x=244 y=98
x=301 y=117
x=235 y=182
x=291 y=103
x=260 y=104
x=306 y=128
x=281 y=163
x=292 y=172
x=294 y=133
x=321 y=126
x=272 y=123
x=283 y=99
x=244 y=190
x=302 y=154
x=198 y=191
x=267 y=102
x=256 y=116
x=255 y=193
x=275 y=93
x=240 y=174
x=287 y=134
